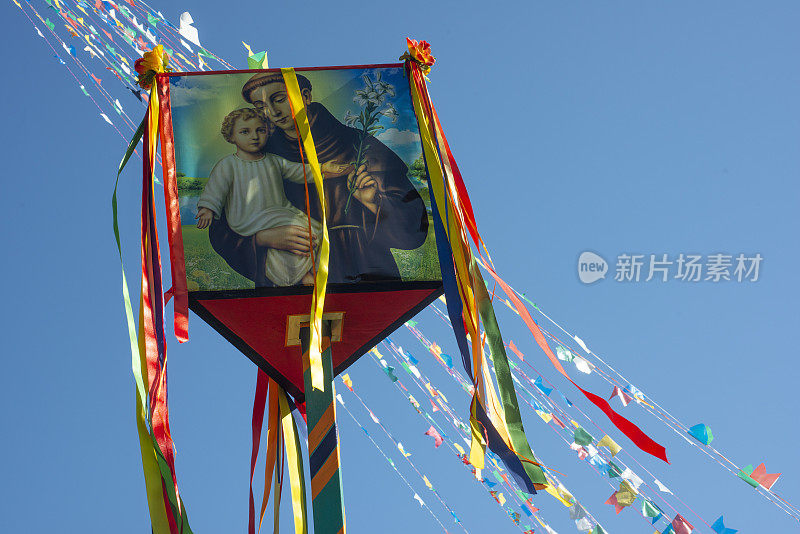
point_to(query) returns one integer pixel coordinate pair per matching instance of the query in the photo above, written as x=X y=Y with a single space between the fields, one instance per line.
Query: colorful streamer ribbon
x=321 y=279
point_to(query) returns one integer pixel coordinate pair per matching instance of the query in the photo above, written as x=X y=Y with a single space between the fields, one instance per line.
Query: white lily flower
x=361 y=97
x=387 y=88
x=367 y=81
x=375 y=97
x=349 y=118
x=390 y=112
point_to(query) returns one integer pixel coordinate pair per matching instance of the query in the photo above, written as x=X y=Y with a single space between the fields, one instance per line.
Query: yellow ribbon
x=321 y=280
x=457 y=238
x=295 y=461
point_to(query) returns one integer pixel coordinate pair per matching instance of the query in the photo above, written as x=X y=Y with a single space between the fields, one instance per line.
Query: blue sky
x=622 y=128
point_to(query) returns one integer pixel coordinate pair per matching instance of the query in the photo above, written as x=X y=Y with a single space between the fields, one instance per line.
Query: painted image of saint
x=247 y=187
x=371 y=209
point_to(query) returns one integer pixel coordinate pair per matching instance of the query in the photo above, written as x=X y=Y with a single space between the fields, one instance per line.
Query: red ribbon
x=259 y=403
x=633 y=432
x=172 y=202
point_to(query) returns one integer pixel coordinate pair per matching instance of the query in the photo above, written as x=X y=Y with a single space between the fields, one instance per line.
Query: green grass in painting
x=205 y=269
x=421 y=263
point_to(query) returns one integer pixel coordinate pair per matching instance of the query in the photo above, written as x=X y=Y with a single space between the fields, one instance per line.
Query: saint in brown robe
x=360 y=240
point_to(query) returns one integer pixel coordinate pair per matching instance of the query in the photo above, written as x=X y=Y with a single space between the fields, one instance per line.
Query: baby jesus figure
x=248 y=186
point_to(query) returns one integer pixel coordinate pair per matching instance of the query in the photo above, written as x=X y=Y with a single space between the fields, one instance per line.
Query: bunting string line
x=423 y=383
x=547 y=400
x=454 y=421
x=391 y=464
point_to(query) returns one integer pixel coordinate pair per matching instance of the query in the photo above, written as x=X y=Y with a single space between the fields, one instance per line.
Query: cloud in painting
x=398 y=137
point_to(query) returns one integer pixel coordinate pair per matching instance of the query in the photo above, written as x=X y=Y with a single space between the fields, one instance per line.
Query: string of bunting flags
x=109 y=49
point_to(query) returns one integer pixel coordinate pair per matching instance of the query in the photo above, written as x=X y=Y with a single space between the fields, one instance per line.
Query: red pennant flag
x=516 y=350
x=761 y=476
x=681 y=526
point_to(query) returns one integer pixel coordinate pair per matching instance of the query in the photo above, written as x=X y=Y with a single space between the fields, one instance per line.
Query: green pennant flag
x=613 y=470
x=649 y=509
x=390 y=373
x=258 y=61
x=582 y=437
x=49 y=24
x=744 y=474
x=152 y=20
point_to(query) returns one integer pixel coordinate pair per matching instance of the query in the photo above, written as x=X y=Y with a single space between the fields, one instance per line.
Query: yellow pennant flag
x=606 y=441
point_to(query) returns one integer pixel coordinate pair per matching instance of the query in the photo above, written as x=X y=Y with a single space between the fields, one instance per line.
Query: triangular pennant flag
x=389 y=370
x=624 y=397
x=515 y=350
x=681 y=526
x=437 y=438
x=582 y=437
x=632 y=478
x=347 y=381
x=558 y=422
x=649 y=509
x=662 y=488
x=538 y=384
x=577 y=512
x=613 y=470
x=719 y=527
x=564 y=354
x=626 y=494
x=606 y=441
x=744 y=474
x=613 y=502
x=402 y=450
x=761 y=476
x=258 y=60
x=702 y=433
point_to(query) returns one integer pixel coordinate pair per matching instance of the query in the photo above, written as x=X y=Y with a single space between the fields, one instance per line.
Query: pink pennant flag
x=437 y=438
x=516 y=350
x=681 y=526
x=434 y=408
x=624 y=397
x=558 y=422
x=613 y=502
x=761 y=476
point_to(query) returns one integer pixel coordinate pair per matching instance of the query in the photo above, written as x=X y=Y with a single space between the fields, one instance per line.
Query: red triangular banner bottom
x=258 y=326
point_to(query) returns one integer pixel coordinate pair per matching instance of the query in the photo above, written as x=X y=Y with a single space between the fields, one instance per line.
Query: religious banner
x=251 y=218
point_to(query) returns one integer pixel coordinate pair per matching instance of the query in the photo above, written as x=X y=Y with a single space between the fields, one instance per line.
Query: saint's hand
x=334 y=168
x=293 y=238
x=204 y=217
x=365 y=187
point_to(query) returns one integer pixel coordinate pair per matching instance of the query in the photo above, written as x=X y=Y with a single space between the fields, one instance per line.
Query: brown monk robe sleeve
x=401 y=220
x=239 y=251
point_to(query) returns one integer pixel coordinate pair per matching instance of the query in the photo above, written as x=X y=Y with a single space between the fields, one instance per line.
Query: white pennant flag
x=186 y=29
x=662 y=487
x=580 y=342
